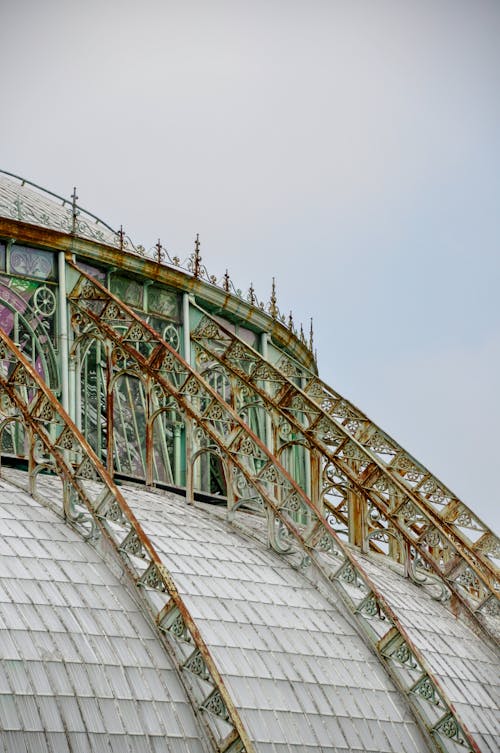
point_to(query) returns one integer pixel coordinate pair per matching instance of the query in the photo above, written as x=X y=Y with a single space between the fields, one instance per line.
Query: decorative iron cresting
x=73 y=219
x=194 y=266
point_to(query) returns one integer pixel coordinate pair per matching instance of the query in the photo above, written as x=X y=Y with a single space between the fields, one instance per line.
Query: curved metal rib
x=402 y=467
x=133 y=342
x=57 y=445
x=467 y=571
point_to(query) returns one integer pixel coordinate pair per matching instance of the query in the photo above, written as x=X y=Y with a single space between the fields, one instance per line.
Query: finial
x=74 y=210
x=121 y=237
x=302 y=336
x=159 y=252
x=197 y=256
x=290 y=321
x=251 y=295
x=226 y=282
x=311 y=336
x=273 y=309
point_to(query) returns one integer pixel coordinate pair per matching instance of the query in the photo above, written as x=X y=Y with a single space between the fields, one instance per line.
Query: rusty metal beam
x=57 y=445
x=361 y=467
x=100 y=314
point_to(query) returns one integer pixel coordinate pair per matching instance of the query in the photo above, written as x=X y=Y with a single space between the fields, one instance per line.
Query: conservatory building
x=203 y=546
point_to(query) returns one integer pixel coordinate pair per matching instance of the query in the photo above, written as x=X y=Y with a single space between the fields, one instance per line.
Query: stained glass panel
x=32 y=262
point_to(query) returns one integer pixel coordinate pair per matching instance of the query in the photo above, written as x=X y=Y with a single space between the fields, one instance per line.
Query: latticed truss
x=93 y=504
x=395 y=495
x=298 y=525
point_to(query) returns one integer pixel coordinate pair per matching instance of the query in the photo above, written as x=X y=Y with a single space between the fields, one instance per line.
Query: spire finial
x=226 y=281
x=74 y=210
x=159 y=252
x=311 y=336
x=251 y=295
x=273 y=309
x=290 y=321
x=197 y=257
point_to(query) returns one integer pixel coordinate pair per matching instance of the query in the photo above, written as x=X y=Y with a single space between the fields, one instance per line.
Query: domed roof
x=82 y=667
x=86 y=660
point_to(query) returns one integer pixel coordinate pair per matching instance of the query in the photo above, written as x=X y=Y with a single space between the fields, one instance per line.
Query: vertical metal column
x=309 y=471
x=63 y=331
x=186 y=329
x=78 y=390
x=177 y=453
x=149 y=410
x=268 y=439
x=188 y=427
x=188 y=430
x=110 y=415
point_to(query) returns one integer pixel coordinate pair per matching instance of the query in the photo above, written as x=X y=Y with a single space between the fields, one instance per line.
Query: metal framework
x=98 y=509
x=390 y=492
x=128 y=375
x=296 y=526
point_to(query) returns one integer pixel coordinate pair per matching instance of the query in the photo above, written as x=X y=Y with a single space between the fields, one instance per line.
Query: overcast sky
x=350 y=149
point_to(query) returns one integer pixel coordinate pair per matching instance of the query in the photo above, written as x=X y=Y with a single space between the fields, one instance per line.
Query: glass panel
x=8 y=714
x=32 y=262
x=163 y=302
x=163 y=449
x=28 y=314
x=28 y=713
x=251 y=338
x=130 y=426
x=127 y=290
x=97 y=274
x=93 y=399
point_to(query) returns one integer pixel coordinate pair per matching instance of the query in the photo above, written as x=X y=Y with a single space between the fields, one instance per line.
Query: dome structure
x=203 y=546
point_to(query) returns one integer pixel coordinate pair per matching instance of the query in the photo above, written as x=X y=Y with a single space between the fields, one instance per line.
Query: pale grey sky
x=350 y=149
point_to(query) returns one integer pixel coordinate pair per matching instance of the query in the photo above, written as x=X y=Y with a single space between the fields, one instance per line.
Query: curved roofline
x=64 y=201
x=190 y=275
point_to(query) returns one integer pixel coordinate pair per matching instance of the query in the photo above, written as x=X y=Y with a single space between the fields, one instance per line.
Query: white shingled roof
x=302 y=677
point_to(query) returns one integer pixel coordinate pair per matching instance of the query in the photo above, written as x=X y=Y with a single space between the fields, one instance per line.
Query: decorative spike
x=226 y=282
x=121 y=237
x=74 y=210
x=290 y=321
x=302 y=336
x=273 y=309
x=197 y=257
x=159 y=252
x=251 y=294
x=311 y=336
